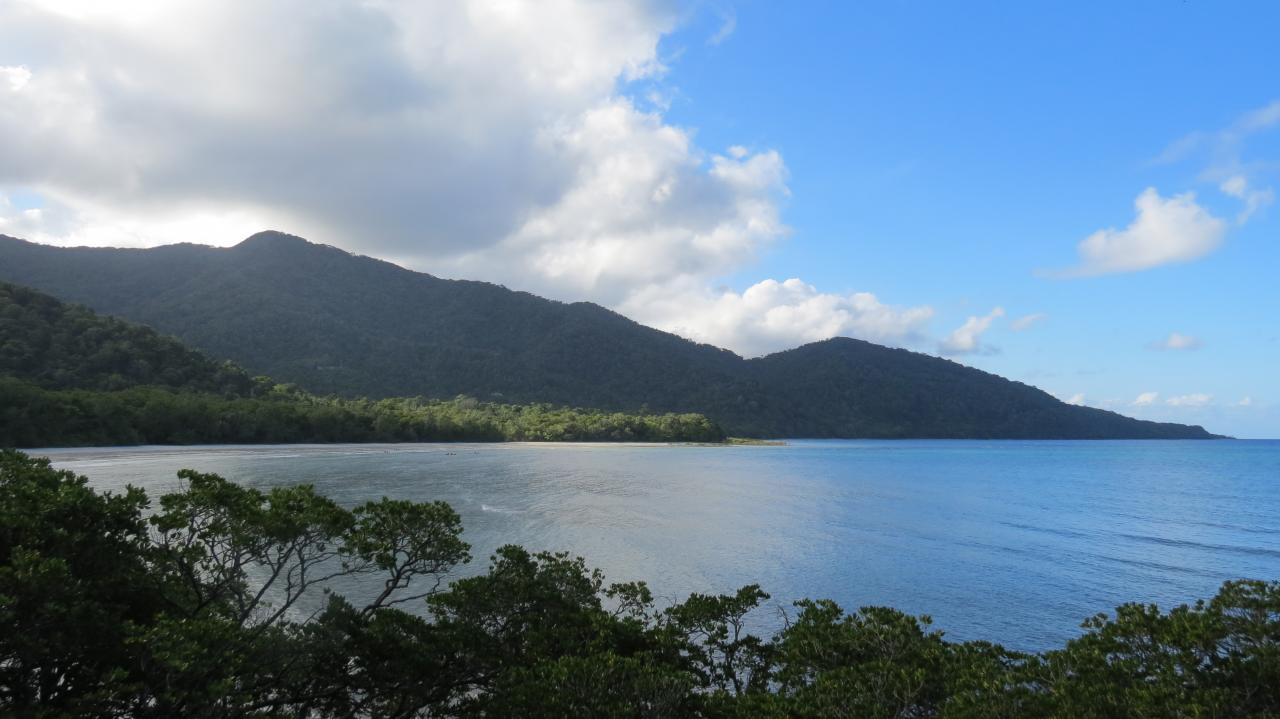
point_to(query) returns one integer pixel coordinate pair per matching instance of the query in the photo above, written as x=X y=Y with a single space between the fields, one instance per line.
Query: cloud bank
x=479 y=139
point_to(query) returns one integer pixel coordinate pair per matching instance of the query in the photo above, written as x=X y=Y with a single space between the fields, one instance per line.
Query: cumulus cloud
x=1190 y=400
x=1146 y=399
x=1026 y=322
x=644 y=212
x=1245 y=402
x=1165 y=231
x=410 y=129
x=772 y=315
x=967 y=338
x=1076 y=399
x=494 y=141
x=1177 y=341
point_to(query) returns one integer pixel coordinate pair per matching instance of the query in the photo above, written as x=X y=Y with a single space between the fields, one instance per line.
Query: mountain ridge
x=337 y=322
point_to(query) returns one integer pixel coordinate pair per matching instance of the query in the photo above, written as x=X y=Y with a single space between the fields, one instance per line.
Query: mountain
x=334 y=322
x=71 y=377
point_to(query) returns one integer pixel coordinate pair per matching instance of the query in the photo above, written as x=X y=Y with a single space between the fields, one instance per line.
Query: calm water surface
x=1015 y=542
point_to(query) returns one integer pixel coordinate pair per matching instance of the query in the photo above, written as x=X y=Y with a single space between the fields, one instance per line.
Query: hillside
x=337 y=323
x=54 y=345
x=71 y=377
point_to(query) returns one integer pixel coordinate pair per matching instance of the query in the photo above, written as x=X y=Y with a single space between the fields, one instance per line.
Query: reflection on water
x=1009 y=541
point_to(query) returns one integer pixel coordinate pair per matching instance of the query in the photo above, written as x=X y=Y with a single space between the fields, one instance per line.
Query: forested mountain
x=71 y=377
x=55 y=345
x=337 y=323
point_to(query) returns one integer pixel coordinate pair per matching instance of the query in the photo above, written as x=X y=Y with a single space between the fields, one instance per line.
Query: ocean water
x=1013 y=542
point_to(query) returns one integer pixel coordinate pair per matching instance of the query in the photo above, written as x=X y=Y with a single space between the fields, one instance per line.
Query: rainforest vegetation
x=114 y=606
x=334 y=323
x=35 y=417
x=71 y=377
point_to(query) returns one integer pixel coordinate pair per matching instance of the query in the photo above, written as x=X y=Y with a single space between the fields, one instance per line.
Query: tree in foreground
x=214 y=602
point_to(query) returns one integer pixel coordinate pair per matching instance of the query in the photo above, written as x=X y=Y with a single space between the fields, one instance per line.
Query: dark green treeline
x=71 y=377
x=35 y=417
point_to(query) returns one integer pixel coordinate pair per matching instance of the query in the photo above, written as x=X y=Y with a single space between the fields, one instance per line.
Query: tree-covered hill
x=337 y=323
x=71 y=377
x=55 y=345
x=878 y=391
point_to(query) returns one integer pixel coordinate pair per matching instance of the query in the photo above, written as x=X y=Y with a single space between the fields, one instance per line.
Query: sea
x=1014 y=542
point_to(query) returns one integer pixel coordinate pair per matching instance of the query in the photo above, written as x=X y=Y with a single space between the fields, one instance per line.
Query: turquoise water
x=1015 y=542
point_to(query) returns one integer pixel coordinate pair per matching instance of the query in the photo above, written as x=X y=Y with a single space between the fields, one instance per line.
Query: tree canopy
x=113 y=606
x=71 y=377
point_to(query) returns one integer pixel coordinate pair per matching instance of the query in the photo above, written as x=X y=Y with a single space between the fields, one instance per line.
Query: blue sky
x=1077 y=195
x=952 y=153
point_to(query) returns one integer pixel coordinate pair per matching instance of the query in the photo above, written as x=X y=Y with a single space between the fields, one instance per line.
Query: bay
x=1013 y=542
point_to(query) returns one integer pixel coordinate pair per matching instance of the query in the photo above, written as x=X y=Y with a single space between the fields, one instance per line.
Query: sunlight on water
x=1014 y=542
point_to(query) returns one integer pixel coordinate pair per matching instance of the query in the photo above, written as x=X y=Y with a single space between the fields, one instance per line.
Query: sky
x=1075 y=195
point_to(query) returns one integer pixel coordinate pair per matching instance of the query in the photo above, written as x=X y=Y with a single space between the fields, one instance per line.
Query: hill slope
x=54 y=345
x=71 y=377
x=337 y=323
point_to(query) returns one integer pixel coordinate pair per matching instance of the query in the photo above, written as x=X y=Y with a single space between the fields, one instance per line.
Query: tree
x=108 y=608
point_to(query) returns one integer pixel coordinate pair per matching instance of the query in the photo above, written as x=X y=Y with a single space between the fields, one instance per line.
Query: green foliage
x=59 y=346
x=354 y=326
x=34 y=417
x=74 y=578
x=70 y=377
x=1212 y=659
x=713 y=632
x=112 y=607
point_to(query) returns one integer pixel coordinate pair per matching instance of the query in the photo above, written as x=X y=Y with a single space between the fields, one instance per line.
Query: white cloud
x=1190 y=400
x=1222 y=152
x=1076 y=399
x=1238 y=186
x=967 y=338
x=771 y=316
x=15 y=78
x=1165 y=231
x=407 y=129
x=1177 y=341
x=488 y=140
x=1145 y=399
x=1245 y=402
x=494 y=141
x=644 y=211
x=1026 y=322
